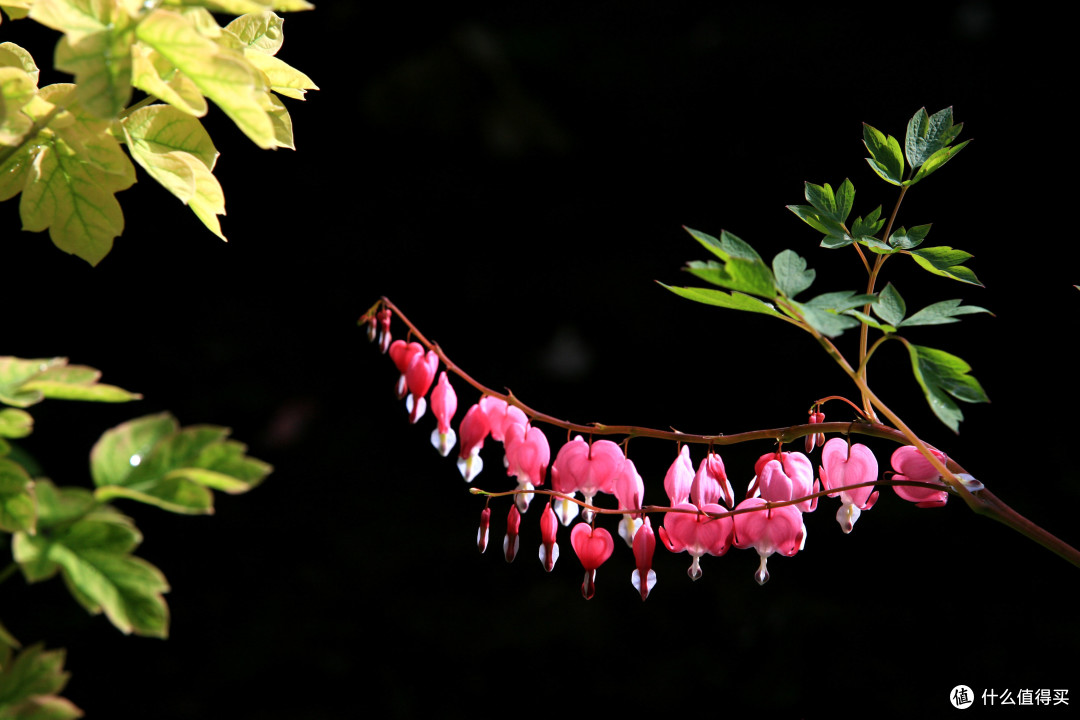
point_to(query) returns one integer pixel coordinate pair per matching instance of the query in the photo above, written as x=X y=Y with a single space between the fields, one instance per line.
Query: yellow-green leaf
x=12 y=55
x=165 y=128
x=279 y=117
x=101 y=64
x=261 y=32
x=223 y=75
x=283 y=78
x=17 y=88
x=209 y=199
x=156 y=76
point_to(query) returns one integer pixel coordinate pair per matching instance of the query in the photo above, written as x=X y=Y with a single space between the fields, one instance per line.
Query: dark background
x=515 y=179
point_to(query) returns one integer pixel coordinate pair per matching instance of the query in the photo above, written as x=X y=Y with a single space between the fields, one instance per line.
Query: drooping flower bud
x=513 y=527
x=485 y=526
x=679 y=478
x=549 y=549
x=710 y=484
x=384 y=330
x=629 y=490
x=644 y=577
x=443 y=405
x=814 y=439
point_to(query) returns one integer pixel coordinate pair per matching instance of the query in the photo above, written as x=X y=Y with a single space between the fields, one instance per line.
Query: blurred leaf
x=825 y=321
x=26 y=382
x=18 y=510
x=947 y=262
x=15 y=423
x=840 y=301
x=29 y=687
x=152 y=460
x=867 y=320
x=941 y=313
x=943 y=377
x=94 y=555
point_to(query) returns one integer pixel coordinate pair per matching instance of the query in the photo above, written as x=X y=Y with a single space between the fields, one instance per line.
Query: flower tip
x=470 y=467
x=762 y=574
x=643 y=587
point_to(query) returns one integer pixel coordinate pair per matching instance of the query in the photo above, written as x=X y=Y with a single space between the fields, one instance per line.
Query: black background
x=515 y=179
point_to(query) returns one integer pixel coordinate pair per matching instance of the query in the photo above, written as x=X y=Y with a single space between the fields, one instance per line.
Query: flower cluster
x=704 y=517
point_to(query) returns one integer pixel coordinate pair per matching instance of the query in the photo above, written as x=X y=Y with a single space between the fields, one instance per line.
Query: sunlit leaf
x=943 y=377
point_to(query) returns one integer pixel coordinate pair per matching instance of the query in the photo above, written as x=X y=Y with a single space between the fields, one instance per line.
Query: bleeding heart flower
x=710 y=484
x=593 y=547
x=587 y=468
x=474 y=428
x=696 y=533
x=784 y=476
x=770 y=530
x=679 y=478
x=527 y=457
x=443 y=405
x=419 y=376
x=402 y=354
x=500 y=416
x=841 y=466
x=910 y=464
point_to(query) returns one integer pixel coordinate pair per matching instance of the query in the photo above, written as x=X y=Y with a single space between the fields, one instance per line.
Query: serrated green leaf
x=734 y=300
x=822 y=198
x=18 y=509
x=942 y=313
x=220 y=73
x=936 y=161
x=928 y=134
x=945 y=261
x=791 y=274
x=93 y=554
x=745 y=270
x=34 y=672
x=886 y=158
x=152 y=461
x=25 y=382
x=890 y=307
x=820 y=222
x=710 y=271
x=904 y=239
x=943 y=377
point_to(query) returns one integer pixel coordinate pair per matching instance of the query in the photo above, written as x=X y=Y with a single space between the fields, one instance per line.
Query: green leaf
x=886 y=158
x=825 y=321
x=26 y=382
x=890 y=307
x=745 y=271
x=792 y=277
x=947 y=262
x=928 y=134
x=156 y=76
x=935 y=161
x=868 y=227
x=261 y=32
x=943 y=377
x=153 y=461
x=867 y=320
x=904 y=239
x=18 y=509
x=820 y=222
x=101 y=64
x=29 y=684
x=840 y=301
x=942 y=313
x=734 y=301
x=94 y=556
x=17 y=88
x=282 y=78
x=15 y=423
x=220 y=73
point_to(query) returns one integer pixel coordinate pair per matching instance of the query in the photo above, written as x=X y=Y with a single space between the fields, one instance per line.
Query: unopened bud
x=485 y=526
